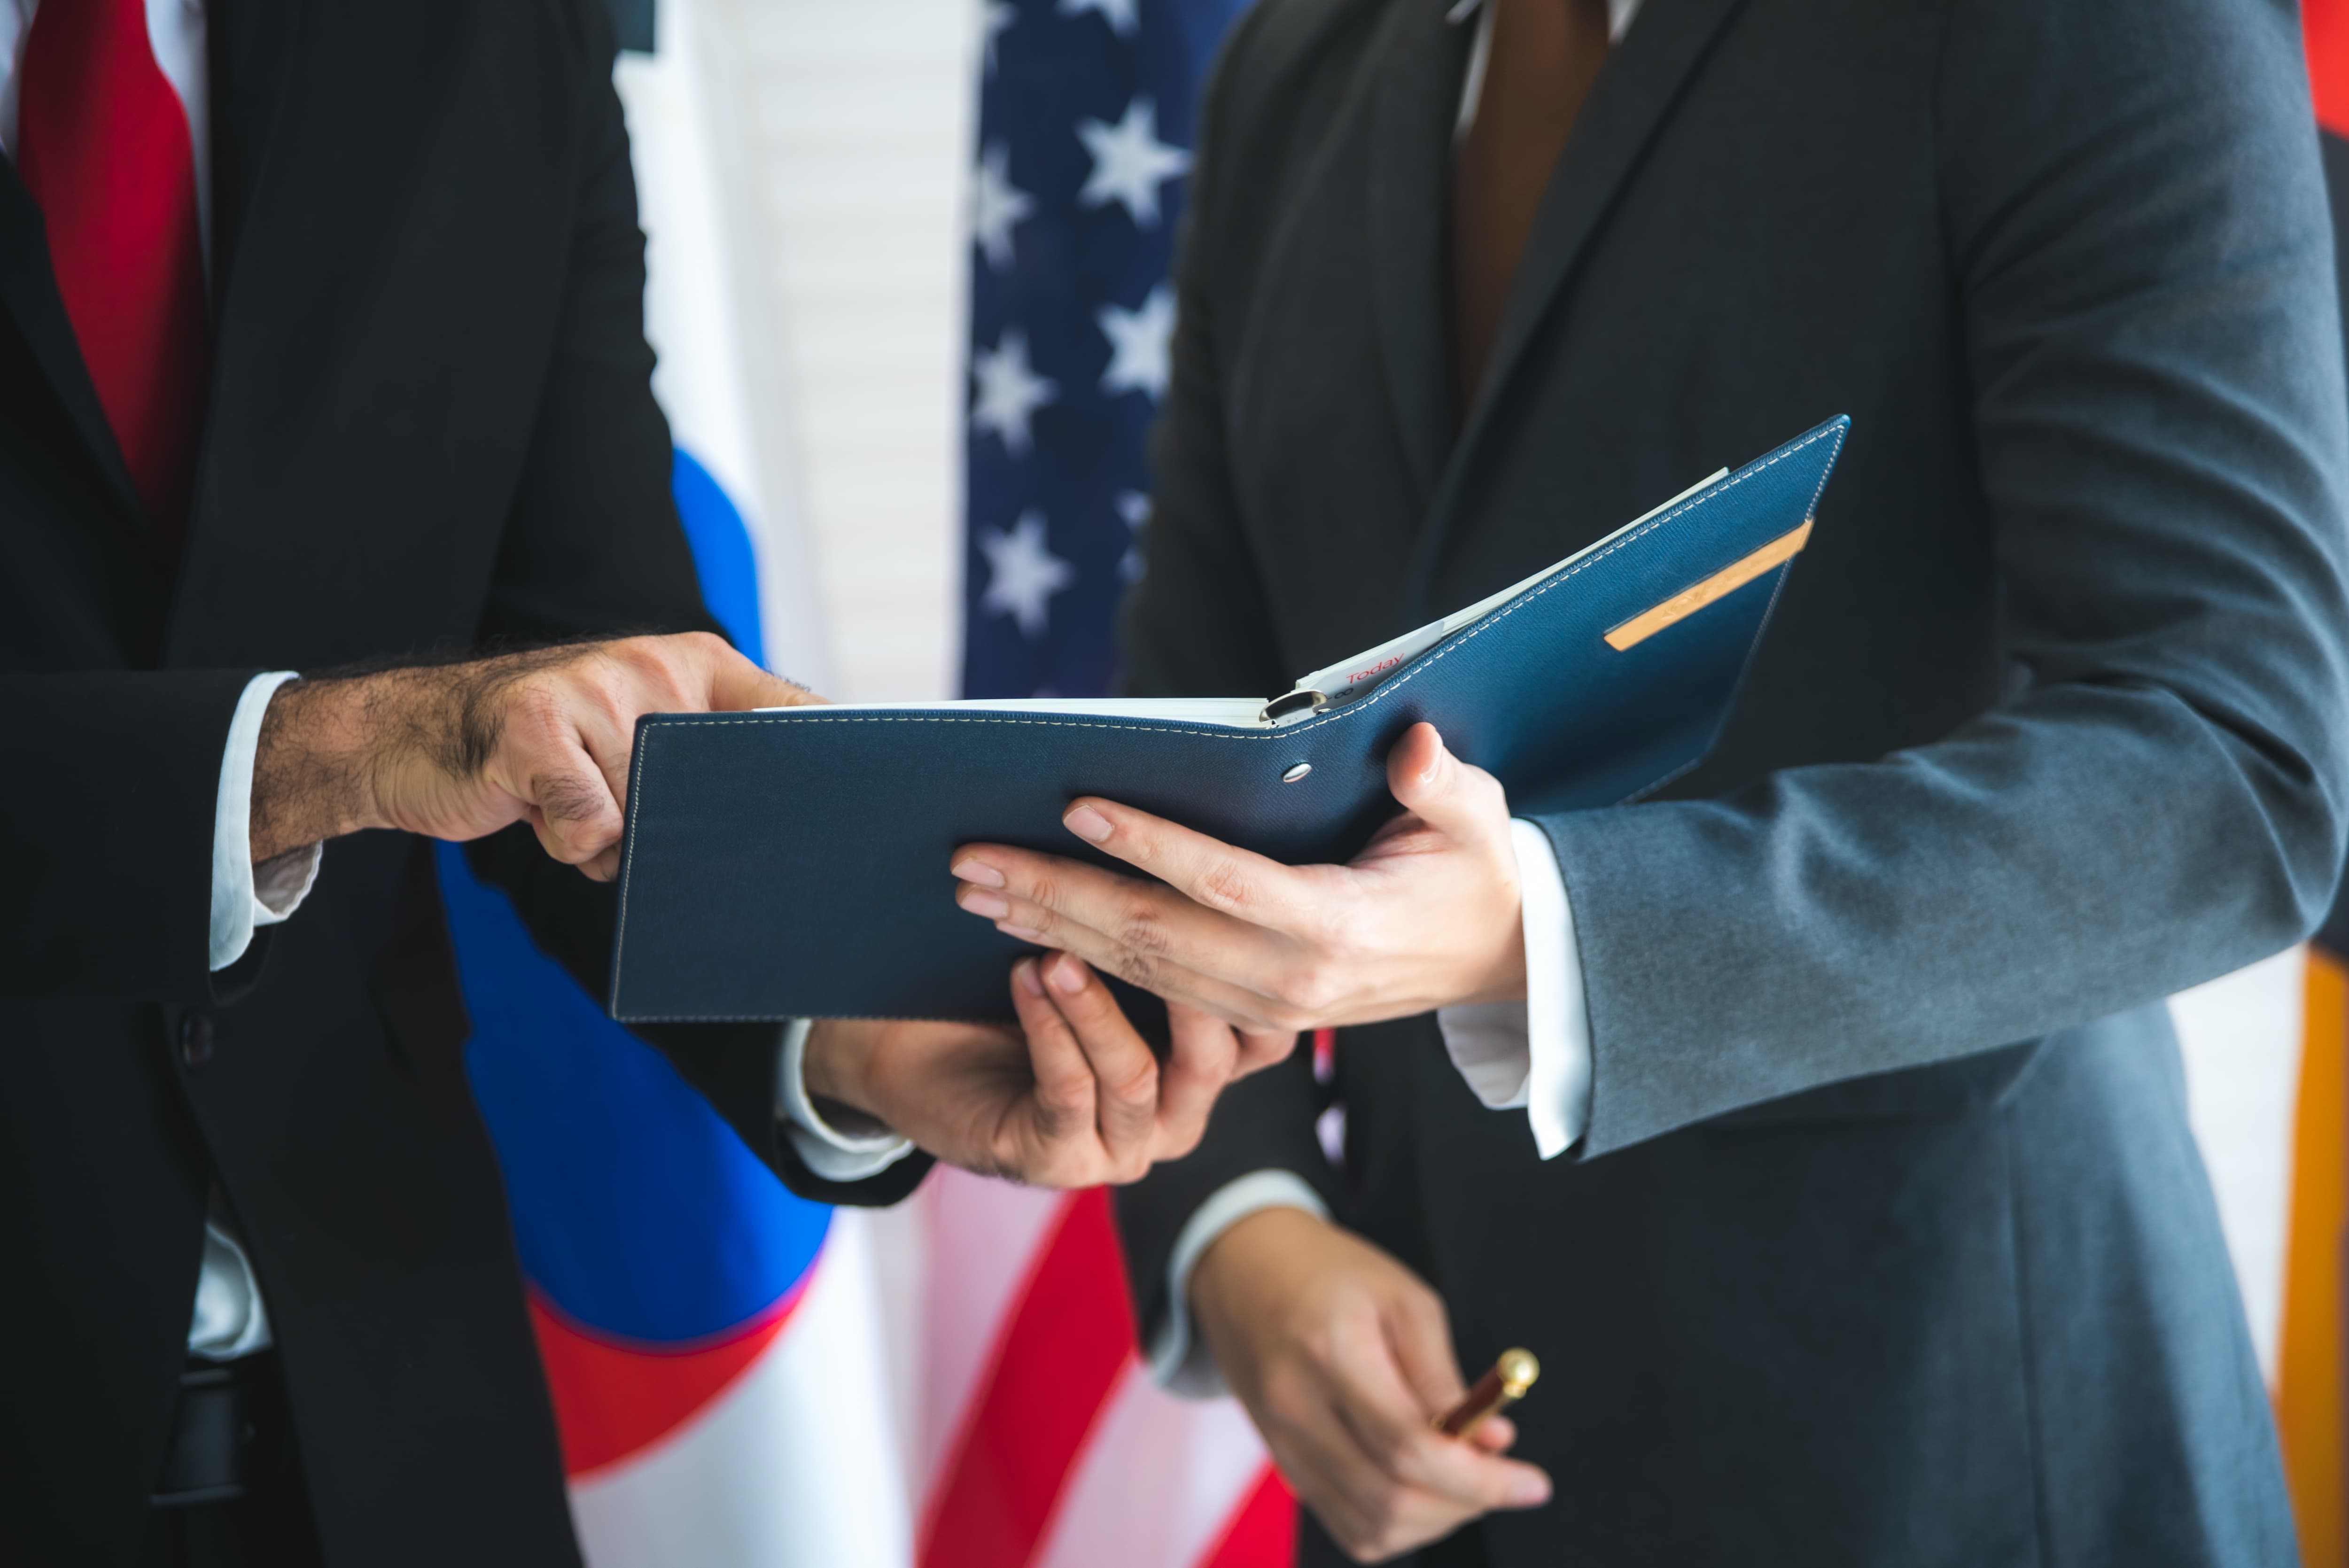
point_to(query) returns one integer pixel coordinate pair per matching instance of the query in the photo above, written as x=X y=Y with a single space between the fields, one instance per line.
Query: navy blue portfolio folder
x=793 y=863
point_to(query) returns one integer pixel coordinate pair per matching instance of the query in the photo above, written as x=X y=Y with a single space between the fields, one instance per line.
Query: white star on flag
x=1023 y=573
x=1135 y=507
x=1129 y=162
x=1137 y=344
x=1118 y=14
x=993 y=17
x=996 y=206
x=1009 y=391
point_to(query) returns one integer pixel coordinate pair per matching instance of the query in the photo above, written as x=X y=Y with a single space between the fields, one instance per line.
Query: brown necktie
x=1544 y=55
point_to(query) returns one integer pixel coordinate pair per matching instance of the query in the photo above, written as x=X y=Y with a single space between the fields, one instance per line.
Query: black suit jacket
x=429 y=425
x=1886 y=1241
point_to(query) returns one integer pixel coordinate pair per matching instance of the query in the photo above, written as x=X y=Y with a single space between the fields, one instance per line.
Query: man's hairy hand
x=459 y=751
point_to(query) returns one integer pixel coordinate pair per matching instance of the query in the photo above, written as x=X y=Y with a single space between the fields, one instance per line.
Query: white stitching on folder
x=1350 y=709
x=619 y=940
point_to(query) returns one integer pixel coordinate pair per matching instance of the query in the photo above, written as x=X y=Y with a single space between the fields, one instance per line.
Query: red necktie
x=103 y=149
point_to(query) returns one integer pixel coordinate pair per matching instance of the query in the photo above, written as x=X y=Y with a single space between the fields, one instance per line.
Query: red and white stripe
x=1043 y=1442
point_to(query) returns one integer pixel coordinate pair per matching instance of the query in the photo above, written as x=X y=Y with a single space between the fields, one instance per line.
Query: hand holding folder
x=1073 y=1098
x=786 y=864
x=1425 y=917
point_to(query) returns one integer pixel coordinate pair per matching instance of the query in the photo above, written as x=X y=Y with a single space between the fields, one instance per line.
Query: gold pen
x=1496 y=1390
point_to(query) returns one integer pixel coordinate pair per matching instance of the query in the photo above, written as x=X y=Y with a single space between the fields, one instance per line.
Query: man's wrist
x=830 y=1067
x=313 y=774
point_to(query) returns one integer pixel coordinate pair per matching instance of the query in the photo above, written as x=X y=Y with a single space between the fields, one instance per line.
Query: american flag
x=1055 y=1447
x=1085 y=128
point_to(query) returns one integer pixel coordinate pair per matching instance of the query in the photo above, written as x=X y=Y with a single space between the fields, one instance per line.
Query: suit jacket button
x=195 y=1038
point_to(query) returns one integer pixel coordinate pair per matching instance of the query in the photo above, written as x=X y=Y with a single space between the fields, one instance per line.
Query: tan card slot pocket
x=1722 y=583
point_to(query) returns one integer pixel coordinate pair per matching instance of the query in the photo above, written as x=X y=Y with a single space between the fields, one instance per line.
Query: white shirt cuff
x=1535 y=1053
x=832 y=1155
x=1177 y=1362
x=247 y=897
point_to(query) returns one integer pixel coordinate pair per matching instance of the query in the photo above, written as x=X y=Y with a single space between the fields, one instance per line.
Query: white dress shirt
x=1534 y=1053
x=229 y=1318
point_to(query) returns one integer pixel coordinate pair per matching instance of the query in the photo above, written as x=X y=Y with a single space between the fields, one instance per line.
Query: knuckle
x=1303 y=993
x=1396 y=1454
x=1385 y=1498
x=1136 y=969
x=535 y=711
x=1139 y=929
x=1137 y=1086
x=1323 y=1345
x=1282 y=1017
x=1042 y=891
x=598 y=683
x=1225 y=886
x=1259 y=1049
x=1061 y=1102
x=1288 y=1397
x=569 y=799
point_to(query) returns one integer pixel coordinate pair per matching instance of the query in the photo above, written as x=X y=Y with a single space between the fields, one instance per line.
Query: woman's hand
x=1343 y=1359
x=1426 y=917
x=1073 y=1098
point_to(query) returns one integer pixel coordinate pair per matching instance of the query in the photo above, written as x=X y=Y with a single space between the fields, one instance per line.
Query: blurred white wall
x=2241 y=1038
x=719 y=373
x=843 y=131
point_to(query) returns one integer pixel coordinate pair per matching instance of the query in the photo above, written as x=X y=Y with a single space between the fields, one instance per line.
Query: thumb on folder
x=1428 y=915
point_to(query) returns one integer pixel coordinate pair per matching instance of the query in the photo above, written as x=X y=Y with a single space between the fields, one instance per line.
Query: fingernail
x=1530 y=1491
x=1087 y=824
x=978 y=871
x=1067 y=975
x=985 y=905
x=1030 y=981
x=1021 y=932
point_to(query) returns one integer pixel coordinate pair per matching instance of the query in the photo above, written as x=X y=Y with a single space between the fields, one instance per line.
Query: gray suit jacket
x=1888 y=1243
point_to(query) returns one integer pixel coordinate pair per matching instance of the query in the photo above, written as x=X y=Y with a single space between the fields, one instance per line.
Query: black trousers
x=231 y=1494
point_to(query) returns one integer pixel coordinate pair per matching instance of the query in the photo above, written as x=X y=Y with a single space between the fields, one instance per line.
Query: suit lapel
x=1414 y=100
x=1628 y=103
x=250 y=50
x=1632 y=96
x=250 y=46
x=28 y=291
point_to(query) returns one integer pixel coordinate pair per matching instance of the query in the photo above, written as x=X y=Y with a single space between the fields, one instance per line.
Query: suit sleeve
x=2140 y=241
x=1199 y=624
x=108 y=800
x=594 y=547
